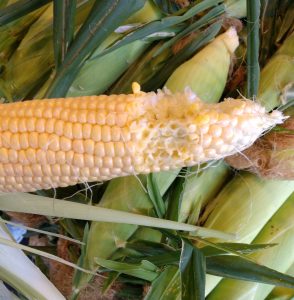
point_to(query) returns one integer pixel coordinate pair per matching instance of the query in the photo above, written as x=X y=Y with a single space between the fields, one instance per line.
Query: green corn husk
x=3 y=3
x=148 y=13
x=279 y=230
x=33 y=60
x=126 y=194
x=276 y=78
x=236 y=8
x=282 y=293
x=98 y=74
x=243 y=207
x=206 y=73
x=141 y=70
x=200 y=188
x=276 y=23
x=12 y=33
x=19 y=271
x=153 y=70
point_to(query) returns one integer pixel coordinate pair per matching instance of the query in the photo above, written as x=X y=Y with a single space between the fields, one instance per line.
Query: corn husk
x=243 y=207
x=272 y=156
x=12 y=33
x=126 y=194
x=279 y=230
x=3 y=3
x=276 y=78
x=236 y=8
x=5 y=294
x=282 y=293
x=20 y=272
x=148 y=13
x=207 y=77
x=34 y=55
x=98 y=74
x=200 y=188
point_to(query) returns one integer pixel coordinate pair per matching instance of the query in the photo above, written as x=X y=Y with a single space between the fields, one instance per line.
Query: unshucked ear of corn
x=92 y=78
x=206 y=76
x=276 y=78
x=278 y=230
x=13 y=32
x=60 y=142
x=199 y=188
x=245 y=215
x=34 y=55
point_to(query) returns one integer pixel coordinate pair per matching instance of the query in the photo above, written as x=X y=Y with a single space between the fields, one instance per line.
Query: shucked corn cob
x=60 y=142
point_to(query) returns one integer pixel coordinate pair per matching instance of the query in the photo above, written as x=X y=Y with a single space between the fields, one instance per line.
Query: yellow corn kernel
x=66 y=141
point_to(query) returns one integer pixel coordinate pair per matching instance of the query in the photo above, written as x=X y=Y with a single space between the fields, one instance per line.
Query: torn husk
x=272 y=156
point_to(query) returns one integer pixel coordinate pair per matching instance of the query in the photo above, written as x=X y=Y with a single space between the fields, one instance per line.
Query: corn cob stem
x=60 y=142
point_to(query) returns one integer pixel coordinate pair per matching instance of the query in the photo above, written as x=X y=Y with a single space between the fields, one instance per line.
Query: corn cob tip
x=231 y=40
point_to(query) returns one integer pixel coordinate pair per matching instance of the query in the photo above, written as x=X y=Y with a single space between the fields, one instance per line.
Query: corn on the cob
x=60 y=142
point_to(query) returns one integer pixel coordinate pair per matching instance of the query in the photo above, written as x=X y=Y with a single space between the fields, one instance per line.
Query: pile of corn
x=111 y=143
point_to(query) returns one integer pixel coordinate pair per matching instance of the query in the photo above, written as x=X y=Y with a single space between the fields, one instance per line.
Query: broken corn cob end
x=59 y=142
